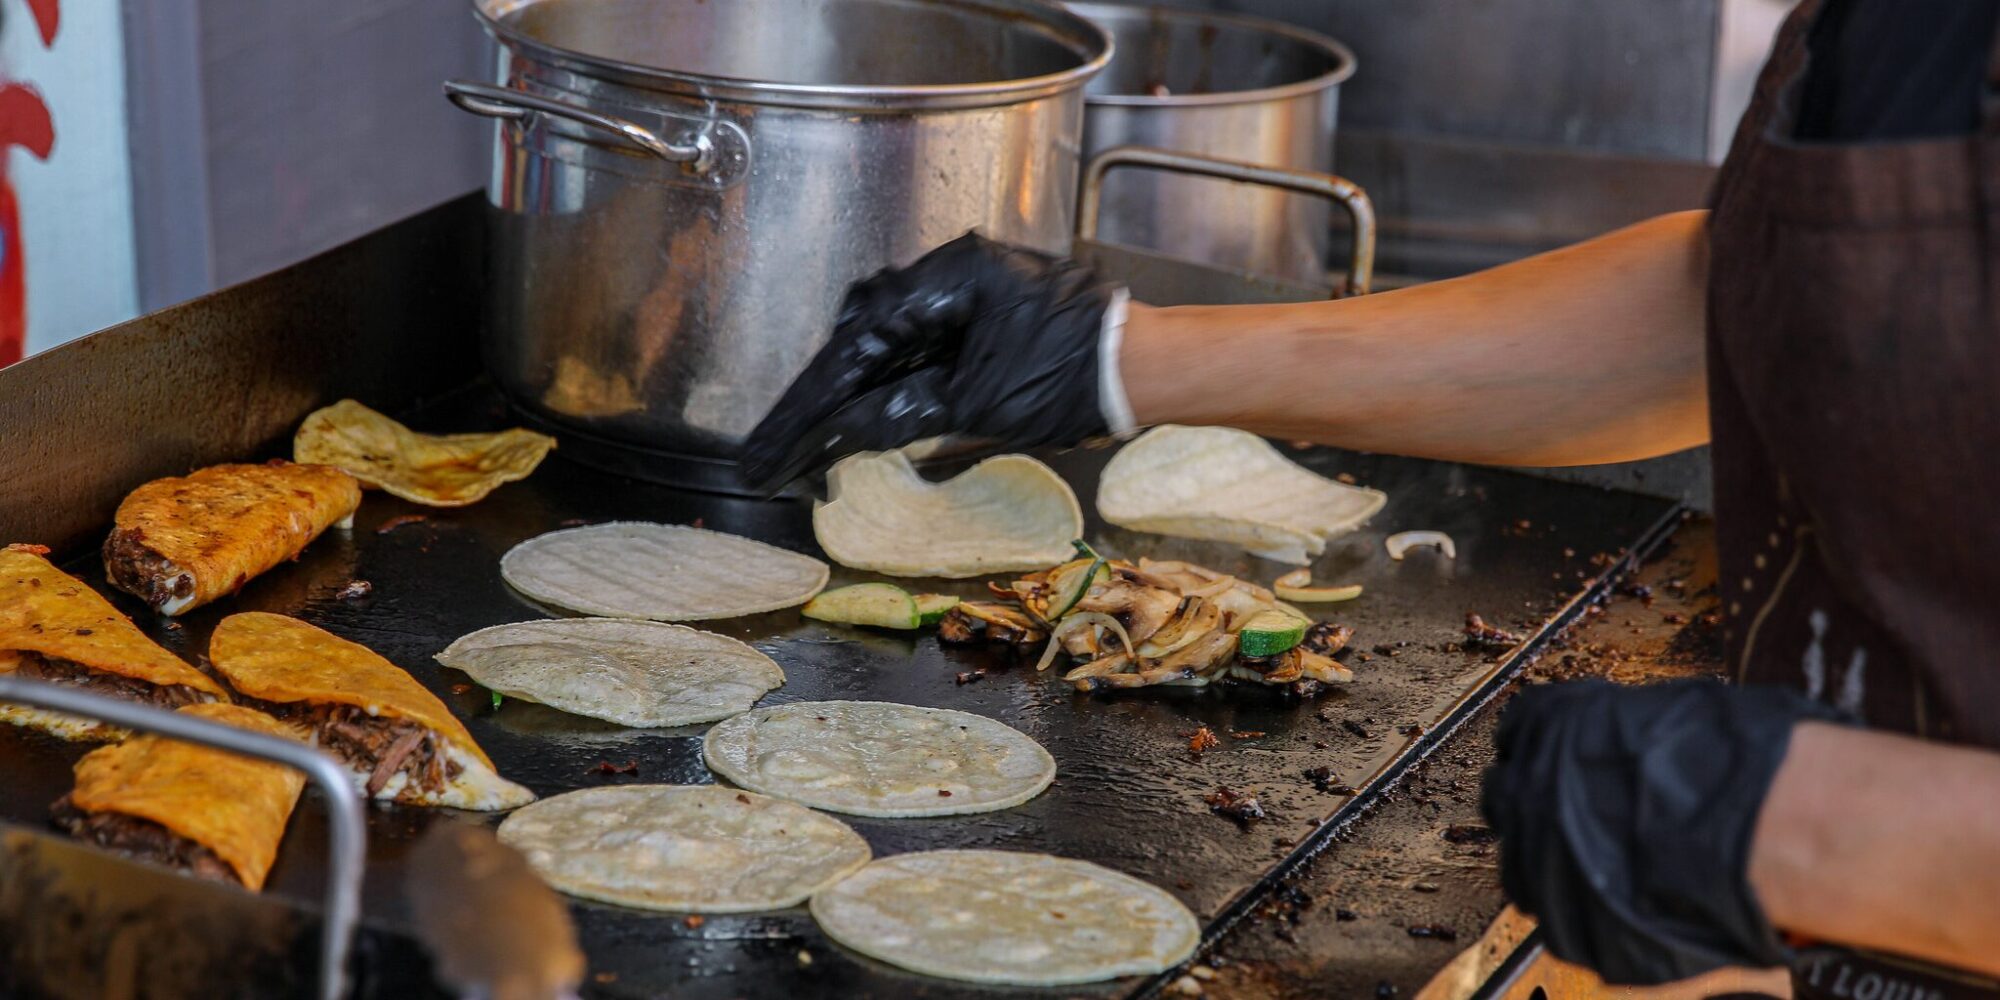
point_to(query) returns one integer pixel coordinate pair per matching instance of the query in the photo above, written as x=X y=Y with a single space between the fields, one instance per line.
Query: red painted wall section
x=24 y=122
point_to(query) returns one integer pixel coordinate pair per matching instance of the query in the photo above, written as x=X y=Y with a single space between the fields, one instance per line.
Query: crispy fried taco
x=182 y=542
x=212 y=813
x=439 y=470
x=53 y=628
x=397 y=738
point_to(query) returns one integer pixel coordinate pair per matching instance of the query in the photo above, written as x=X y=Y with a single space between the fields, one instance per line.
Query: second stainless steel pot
x=684 y=189
x=1231 y=88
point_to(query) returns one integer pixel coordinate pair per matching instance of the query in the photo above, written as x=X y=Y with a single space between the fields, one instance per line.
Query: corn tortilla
x=439 y=470
x=235 y=806
x=274 y=658
x=1005 y=514
x=663 y=572
x=871 y=758
x=699 y=848
x=631 y=672
x=1225 y=485
x=1007 y=917
x=204 y=535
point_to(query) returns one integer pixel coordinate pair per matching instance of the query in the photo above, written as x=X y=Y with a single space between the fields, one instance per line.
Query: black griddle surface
x=1128 y=793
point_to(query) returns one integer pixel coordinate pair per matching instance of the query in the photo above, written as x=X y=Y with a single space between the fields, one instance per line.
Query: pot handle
x=1339 y=190
x=695 y=151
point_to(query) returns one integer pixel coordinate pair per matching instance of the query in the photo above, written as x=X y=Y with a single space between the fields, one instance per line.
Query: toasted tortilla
x=663 y=572
x=274 y=658
x=44 y=610
x=235 y=806
x=1007 y=513
x=699 y=848
x=181 y=542
x=635 y=673
x=872 y=758
x=1224 y=485
x=1007 y=917
x=448 y=470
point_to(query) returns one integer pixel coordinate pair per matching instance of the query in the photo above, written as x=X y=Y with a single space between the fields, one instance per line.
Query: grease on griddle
x=1232 y=804
x=969 y=676
x=630 y=767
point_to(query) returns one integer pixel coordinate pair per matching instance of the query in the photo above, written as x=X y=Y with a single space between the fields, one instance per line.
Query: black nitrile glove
x=1625 y=816
x=975 y=338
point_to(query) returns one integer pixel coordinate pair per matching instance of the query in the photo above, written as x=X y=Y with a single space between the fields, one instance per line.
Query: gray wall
x=1614 y=76
x=264 y=131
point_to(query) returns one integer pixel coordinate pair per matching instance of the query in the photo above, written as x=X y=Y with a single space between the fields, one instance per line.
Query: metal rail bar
x=349 y=834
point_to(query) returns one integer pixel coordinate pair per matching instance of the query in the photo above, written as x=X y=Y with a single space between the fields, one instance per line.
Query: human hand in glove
x=975 y=338
x=1625 y=817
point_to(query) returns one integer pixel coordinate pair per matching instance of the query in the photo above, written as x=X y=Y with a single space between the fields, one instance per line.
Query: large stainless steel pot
x=684 y=189
x=1232 y=88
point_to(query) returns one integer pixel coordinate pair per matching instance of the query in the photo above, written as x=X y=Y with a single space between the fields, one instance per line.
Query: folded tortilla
x=54 y=628
x=181 y=542
x=440 y=470
x=395 y=736
x=1007 y=513
x=210 y=812
x=1224 y=485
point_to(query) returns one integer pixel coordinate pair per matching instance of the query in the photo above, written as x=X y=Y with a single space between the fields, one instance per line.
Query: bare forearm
x=1885 y=842
x=1592 y=353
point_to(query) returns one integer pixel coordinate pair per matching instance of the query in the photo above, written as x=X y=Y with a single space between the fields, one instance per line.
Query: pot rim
x=1306 y=36
x=1090 y=42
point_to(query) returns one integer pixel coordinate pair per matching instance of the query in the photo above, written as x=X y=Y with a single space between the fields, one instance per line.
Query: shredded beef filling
x=142 y=839
x=380 y=747
x=136 y=569
x=35 y=666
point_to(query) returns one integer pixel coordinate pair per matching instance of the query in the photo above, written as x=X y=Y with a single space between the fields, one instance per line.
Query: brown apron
x=1854 y=368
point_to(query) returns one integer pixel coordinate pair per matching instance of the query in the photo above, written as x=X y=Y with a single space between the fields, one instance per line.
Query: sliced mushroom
x=1195 y=618
x=1326 y=638
x=982 y=621
x=1201 y=656
x=1100 y=667
x=1142 y=610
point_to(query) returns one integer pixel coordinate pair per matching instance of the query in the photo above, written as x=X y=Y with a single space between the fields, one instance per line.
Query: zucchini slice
x=931 y=608
x=882 y=605
x=1270 y=633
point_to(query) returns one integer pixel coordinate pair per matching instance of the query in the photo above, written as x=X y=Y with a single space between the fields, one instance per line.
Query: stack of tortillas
x=1224 y=485
x=664 y=572
x=622 y=670
x=1005 y=514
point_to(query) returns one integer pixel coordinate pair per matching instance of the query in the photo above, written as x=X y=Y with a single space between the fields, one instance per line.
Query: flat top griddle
x=1128 y=794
